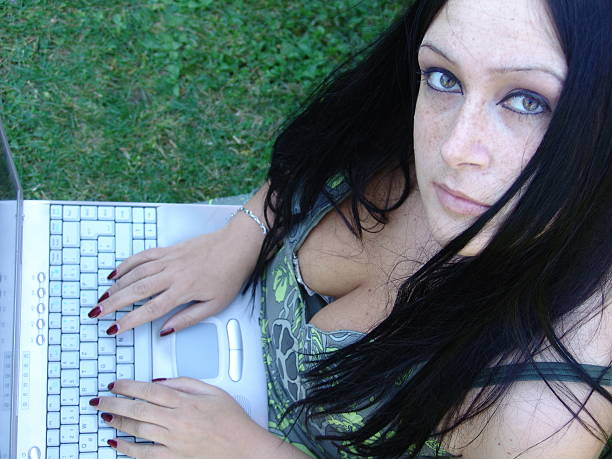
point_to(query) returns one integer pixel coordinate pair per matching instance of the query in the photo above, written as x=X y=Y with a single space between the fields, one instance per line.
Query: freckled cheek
x=430 y=126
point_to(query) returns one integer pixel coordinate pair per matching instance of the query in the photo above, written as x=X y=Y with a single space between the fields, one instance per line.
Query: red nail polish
x=112 y=329
x=103 y=297
x=94 y=401
x=95 y=312
x=112 y=275
x=112 y=443
x=166 y=331
x=107 y=417
x=158 y=379
x=110 y=386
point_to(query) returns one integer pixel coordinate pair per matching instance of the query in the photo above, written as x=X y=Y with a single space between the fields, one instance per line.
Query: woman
x=436 y=270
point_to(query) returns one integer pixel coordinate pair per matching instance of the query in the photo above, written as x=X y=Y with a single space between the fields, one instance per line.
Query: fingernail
x=94 y=401
x=166 y=331
x=95 y=312
x=112 y=443
x=158 y=379
x=110 y=386
x=103 y=297
x=112 y=329
x=112 y=275
x=107 y=417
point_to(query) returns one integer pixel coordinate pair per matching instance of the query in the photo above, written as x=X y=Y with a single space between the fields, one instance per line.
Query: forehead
x=498 y=33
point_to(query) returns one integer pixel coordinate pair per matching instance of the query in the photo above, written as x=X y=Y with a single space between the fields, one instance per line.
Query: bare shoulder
x=532 y=420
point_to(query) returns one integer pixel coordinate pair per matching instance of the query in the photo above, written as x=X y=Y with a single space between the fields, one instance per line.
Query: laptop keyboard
x=86 y=244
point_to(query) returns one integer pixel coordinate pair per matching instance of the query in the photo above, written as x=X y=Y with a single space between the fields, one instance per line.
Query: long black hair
x=455 y=316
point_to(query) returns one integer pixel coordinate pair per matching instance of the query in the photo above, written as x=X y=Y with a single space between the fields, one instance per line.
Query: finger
x=146 y=269
x=190 y=386
x=152 y=432
x=191 y=315
x=150 y=392
x=148 y=312
x=138 y=259
x=135 y=409
x=143 y=288
x=139 y=450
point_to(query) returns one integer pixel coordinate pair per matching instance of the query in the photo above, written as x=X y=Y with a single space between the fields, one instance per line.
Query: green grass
x=163 y=100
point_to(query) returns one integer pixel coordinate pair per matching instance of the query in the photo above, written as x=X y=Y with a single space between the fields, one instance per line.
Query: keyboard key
x=55 y=257
x=84 y=317
x=70 y=359
x=55 y=242
x=126 y=338
x=55 y=304
x=70 y=378
x=70 y=289
x=53 y=452
x=88 y=298
x=94 y=229
x=106 y=213
x=138 y=230
x=68 y=434
x=55 y=320
x=150 y=244
x=70 y=307
x=104 y=379
x=53 y=437
x=88 y=423
x=106 y=364
x=106 y=453
x=56 y=227
x=89 y=212
x=88 y=368
x=70 y=324
x=123 y=241
x=55 y=288
x=89 y=264
x=70 y=256
x=71 y=213
x=103 y=276
x=137 y=246
x=70 y=273
x=55 y=273
x=53 y=420
x=88 y=351
x=53 y=386
x=150 y=215
x=106 y=261
x=125 y=371
x=106 y=346
x=123 y=214
x=69 y=414
x=125 y=354
x=137 y=214
x=88 y=386
x=71 y=234
x=70 y=342
x=53 y=369
x=89 y=247
x=89 y=281
x=88 y=442
x=106 y=244
x=55 y=336
x=104 y=434
x=69 y=396
x=150 y=231
x=55 y=211
x=53 y=403
x=89 y=333
x=69 y=450
x=54 y=353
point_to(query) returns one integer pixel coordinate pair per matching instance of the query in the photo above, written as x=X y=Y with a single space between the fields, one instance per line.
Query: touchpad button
x=197 y=351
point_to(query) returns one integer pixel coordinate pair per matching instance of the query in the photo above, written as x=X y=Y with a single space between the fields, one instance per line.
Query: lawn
x=160 y=100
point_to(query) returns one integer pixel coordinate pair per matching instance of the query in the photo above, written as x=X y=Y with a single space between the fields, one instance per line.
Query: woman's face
x=492 y=72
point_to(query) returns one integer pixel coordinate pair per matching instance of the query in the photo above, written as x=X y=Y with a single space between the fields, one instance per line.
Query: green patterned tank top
x=288 y=339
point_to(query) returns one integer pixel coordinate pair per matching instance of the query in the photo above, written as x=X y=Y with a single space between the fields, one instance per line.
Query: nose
x=466 y=143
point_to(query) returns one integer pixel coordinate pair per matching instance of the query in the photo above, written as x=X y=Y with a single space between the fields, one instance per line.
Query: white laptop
x=55 y=257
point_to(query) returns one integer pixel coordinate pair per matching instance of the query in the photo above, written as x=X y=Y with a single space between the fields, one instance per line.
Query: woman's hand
x=208 y=270
x=186 y=418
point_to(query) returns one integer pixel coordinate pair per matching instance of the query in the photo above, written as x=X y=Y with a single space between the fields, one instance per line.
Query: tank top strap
x=537 y=371
x=335 y=190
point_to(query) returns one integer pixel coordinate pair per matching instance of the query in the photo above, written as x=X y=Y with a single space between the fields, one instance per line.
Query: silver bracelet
x=252 y=216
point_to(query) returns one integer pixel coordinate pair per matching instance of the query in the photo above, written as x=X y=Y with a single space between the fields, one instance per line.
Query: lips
x=457 y=202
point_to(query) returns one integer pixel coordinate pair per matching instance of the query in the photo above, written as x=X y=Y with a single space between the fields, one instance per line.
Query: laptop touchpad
x=197 y=351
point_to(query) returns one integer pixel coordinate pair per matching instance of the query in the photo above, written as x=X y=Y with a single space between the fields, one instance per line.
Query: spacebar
x=142 y=352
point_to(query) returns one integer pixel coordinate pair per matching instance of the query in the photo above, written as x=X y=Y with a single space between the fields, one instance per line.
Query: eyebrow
x=498 y=69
